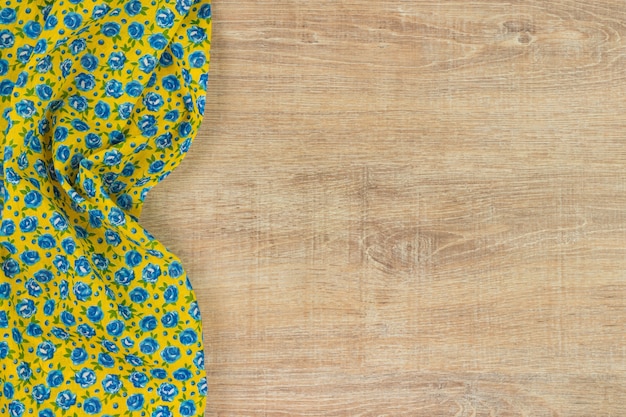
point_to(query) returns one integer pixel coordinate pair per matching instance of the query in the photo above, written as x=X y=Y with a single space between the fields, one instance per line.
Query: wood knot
x=518 y=26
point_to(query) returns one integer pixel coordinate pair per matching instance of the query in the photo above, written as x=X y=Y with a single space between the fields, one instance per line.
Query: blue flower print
x=72 y=20
x=116 y=61
x=7 y=15
x=32 y=29
x=165 y=18
x=110 y=29
x=66 y=399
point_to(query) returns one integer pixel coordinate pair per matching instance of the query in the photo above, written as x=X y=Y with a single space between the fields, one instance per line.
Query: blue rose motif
x=68 y=245
x=134 y=88
x=95 y=218
x=48 y=307
x=80 y=125
x=156 y=166
x=22 y=162
x=153 y=101
x=40 y=46
x=7 y=15
x=182 y=374
x=5 y=291
x=171 y=294
x=106 y=360
x=116 y=61
x=32 y=29
x=135 y=402
x=112 y=237
x=65 y=66
x=78 y=356
x=203 y=387
x=25 y=108
x=55 y=379
x=102 y=110
x=61 y=263
x=60 y=333
x=111 y=384
x=33 y=199
x=148 y=323
x=86 y=377
x=175 y=269
x=100 y=261
x=117 y=187
x=23 y=371
x=205 y=11
x=167 y=391
x=86 y=330
x=124 y=110
x=11 y=176
x=170 y=319
x=147 y=63
x=197 y=59
x=8 y=390
x=112 y=157
x=82 y=267
x=110 y=29
x=4 y=320
x=92 y=405
x=132 y=258
x=147 y=125
x=138 y=379
x=34 y=330
x=164 y=141
x=196 y=34
x=162 y=411
x=148 y=346
x=84 y=82
x=166 y=59
x=204 y=79
x=115 y=327
x=188 y=337
x=6 y=87
x=40 y=393
x=23 y=77
x=93 y=141
x=43 y=66
x=46 y=350
x=33 y=289
x=4 y=64
x=100 y=11
x=4 y=350
x=7 y=228
x=157 y=41
x=78 y=102
x=187 y=408
x=89 y=62
x=72 y=20
x=46 y=241
x=126 y=315
x=16 y=408
x=151 y=273
x=170 y=83
x=135 y=30
x=133 y=8
x=63 y=289
x=68 y=318
x=194 y=311
x=201 y=102
x=116 y=217
x=51 y=22
x=165 y=18
x=66 y=399
x=43 y=91
x=183 y=6
x=184 y=147
x=30 y=257
x=26 y=308
x=125 y=201
x=95 y=314
x=60 y=133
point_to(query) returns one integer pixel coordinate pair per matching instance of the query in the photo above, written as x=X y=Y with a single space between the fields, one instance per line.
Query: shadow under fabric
x=99 y=101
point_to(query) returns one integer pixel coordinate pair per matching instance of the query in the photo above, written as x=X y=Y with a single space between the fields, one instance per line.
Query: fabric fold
x=99 y=102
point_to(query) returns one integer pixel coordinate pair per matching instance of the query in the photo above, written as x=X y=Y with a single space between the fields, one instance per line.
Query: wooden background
x=409 y=208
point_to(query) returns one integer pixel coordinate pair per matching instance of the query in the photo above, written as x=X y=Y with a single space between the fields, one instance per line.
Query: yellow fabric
x=99 y=101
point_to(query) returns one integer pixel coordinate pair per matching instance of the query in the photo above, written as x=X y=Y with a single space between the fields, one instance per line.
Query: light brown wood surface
x=409 y=208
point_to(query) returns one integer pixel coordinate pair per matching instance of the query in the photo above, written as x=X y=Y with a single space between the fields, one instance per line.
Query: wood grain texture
x=409 y=208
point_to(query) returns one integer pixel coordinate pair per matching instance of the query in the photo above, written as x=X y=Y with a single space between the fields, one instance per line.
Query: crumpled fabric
x=99 y=101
